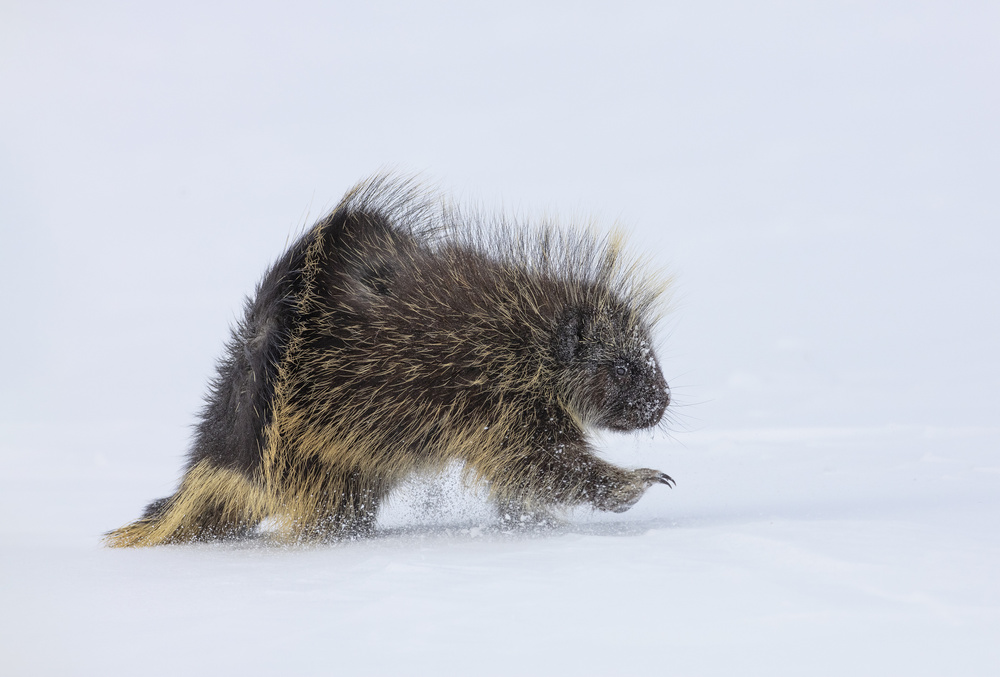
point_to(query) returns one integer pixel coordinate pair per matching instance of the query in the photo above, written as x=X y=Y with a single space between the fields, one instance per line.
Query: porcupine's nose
x=666 y=401
x=658 y=402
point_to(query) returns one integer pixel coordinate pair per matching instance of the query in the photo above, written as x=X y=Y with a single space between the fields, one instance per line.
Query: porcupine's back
x=409 y=360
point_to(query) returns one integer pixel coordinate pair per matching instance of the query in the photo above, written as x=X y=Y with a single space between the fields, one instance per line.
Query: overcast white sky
x=821 y=177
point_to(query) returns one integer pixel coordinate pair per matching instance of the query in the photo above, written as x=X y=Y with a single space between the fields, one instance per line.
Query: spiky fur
x=397 y=336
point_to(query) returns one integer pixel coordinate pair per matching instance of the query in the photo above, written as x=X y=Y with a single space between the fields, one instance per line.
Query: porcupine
x=395 y=337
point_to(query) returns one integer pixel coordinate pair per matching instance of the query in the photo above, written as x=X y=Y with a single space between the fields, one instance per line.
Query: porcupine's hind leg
x=327 y=504
x=211 y=503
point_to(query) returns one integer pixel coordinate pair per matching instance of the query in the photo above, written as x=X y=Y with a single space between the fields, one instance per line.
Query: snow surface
x=820 y=177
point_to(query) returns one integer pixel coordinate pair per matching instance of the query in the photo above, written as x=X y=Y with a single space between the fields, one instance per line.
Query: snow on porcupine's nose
x=652 y=409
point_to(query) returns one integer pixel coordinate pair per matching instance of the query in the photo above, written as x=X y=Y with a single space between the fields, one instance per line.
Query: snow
x=868 y=551
x=820 y=179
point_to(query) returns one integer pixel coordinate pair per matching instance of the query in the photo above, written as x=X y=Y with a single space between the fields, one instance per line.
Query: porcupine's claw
x=664 y=478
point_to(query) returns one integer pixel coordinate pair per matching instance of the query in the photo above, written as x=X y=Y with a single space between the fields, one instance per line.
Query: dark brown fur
x=392 y=338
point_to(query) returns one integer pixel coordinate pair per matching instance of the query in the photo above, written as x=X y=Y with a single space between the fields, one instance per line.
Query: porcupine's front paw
x=620 y=494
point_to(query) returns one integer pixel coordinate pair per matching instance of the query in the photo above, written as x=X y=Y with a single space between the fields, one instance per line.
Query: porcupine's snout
x=640 y=403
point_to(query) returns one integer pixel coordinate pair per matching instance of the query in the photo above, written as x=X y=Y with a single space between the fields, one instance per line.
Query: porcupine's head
x=610 y=369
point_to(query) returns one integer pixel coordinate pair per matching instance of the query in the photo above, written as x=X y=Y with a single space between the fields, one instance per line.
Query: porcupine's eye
x=621 y=370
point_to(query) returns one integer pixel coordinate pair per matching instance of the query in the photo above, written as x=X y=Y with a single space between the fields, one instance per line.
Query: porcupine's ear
x=368 y=249
x=567 y=339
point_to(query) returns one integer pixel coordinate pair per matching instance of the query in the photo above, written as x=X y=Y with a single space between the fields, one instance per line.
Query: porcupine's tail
x=211 y=503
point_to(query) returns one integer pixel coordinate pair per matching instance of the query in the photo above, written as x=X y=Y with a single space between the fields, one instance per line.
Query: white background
x=821 y=178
